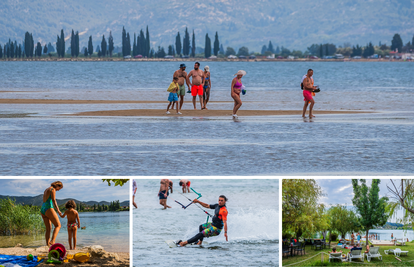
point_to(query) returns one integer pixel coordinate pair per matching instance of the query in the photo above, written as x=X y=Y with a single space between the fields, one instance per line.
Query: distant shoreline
x=117 y=59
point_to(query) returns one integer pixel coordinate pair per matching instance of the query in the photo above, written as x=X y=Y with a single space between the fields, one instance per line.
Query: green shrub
x=334 y=236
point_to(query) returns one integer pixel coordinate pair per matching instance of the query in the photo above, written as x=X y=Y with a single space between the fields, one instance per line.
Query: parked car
x=290 y=57
x=169 y=57
x=280 y=57
x=327 y=57
x=313 y=57
x=185 y=56
x=213 y=57
x=231 y=57
x=356 y=57
x=252 y=57
x=138 y=56
x=242 y=57
x=339 y=56
x=127 y=56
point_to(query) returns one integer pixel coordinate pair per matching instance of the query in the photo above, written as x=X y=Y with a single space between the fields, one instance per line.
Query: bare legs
x=305 y=106
x=52 y=218
x=201 y=101
x=237 y=103
x=72 y=236
x=133 y=202
x=206 y=98
x=48 y=225
x=181 y=102
x=163 y=202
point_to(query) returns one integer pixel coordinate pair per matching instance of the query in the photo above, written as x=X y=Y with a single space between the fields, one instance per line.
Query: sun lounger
x=335 y=256
x=389 y=252
x=398 y=252
x=401 y=242
x=356 y=254
x=373 y=253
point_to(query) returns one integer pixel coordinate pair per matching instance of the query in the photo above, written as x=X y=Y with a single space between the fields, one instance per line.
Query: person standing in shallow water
x=197 y=84
x=165 y=185
x=48 y=212
x=182 y=77
x=236 y=86
x=207 y=86
x=308 y=89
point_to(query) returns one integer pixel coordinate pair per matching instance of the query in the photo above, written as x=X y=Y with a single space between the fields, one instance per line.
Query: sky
x=80 y=189
x=341 y=192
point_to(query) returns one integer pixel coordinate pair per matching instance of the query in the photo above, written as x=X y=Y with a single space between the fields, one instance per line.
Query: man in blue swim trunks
x=165 y=185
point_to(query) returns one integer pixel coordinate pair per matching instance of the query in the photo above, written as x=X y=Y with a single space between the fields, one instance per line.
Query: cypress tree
x=170 y=50
x=85 y=52
x=216 y=45
x=77 y=43
x=264 y=49
x=111 y=43
x=90 y=46
x=178 y=44
x=326 y=49
x=124 y=49
x=148 y=46
x=270 y=47
x=1 y=51
x=39 y=49
x=128 y=45
x=142 y=44
x=186 y=43
x=5 y=51
x=193 y=46
x=320 y=50
x=11 y=45
x=58 y=46
x=72 y=44
x=103 y=46
x=396 y=43
x=16 y=49
x=45 y=49
x=20 y=50
x=134 y=47
x=62 y=43
x=412 y=41
x=207 y=47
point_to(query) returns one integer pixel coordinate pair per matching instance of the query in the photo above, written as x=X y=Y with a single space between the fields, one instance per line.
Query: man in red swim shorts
x=196 y=84
x=185 y=184
x=308 y=88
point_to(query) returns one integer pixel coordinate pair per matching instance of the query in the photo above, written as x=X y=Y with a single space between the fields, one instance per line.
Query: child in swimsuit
x=73 y=227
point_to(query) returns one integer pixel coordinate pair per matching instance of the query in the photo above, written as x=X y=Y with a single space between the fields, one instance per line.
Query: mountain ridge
x=295 y=24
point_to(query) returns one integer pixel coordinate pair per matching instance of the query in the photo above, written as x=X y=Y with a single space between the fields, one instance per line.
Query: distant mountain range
x=294 y=24
x=38 y=201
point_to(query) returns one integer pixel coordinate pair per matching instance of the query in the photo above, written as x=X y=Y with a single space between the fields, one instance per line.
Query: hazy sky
x=80 y=189
x=341 y=191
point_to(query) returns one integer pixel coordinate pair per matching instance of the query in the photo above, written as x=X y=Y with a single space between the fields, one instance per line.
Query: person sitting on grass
x=73 y=227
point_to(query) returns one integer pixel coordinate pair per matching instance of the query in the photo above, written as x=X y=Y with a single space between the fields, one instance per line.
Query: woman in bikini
x=236 y=86
x=207 y=86
x=48 y=212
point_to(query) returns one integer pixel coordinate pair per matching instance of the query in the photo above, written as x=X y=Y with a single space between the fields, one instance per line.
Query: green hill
x=294 y=24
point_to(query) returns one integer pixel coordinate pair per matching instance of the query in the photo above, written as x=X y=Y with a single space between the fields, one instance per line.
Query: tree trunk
x=366 y=235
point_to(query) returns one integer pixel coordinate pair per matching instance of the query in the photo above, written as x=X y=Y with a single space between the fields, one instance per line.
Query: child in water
x=73 y=216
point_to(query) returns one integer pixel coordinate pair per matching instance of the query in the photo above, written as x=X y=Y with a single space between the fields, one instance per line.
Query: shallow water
x=108 y=229
x=253 y=228
x=359 y=144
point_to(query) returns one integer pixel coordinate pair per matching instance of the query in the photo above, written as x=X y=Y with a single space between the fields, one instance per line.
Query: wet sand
x=122 y=258
x=205 y=113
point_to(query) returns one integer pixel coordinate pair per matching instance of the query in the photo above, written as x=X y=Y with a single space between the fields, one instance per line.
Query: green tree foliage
x=356 y=51
x=300 y=207
x=90 y=46
x=170 y=50
x=58 y=46
x=370 y=208
x=264 y=49
x=320 y=50
x=1 y=51
x=402 y=198
x=72 y=44
x=152 y=53
x=128 y=45
x=110 y=43
x=207 y=47
x=50 y=48
x=77 y=44
x=62 y=43
x=186 y=43
x=116 y=182
x=160 y=53
x=216 y=44
x=39 y=49
x=11 y=45
x=243 y=51
x=28 y=44
x=85 y=52
x=221 y=49
x=178 y=44
x=396 y=43
x=103 y=46
x=45 y=49
x=277 y=51
x=193 y=46
x=230 y=51
x=284 y=52
x=141 y=44
x=270 y=47
x=148 y=46
x=134 y=46
x=342 y=220
x=369 y=50
x=124 y=42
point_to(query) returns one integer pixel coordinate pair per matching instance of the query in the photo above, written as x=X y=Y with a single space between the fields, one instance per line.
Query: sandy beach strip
x=123 y=257
x=69 y=101
x=205 y=113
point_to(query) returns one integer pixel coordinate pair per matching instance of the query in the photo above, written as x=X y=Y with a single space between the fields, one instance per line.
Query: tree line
x=113 y=206
x=184 y=47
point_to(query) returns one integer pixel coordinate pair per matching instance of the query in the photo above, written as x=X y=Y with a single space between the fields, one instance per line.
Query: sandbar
x=71 y=101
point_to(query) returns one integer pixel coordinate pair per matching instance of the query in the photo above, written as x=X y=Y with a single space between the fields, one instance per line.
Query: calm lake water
x=108 y=229
x=253 y=228
x=46 y=143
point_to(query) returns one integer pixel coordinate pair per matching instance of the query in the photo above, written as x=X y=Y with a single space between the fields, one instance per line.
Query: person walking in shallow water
x=48 y=212
x=197 y=84
x=308 y=89
x=236 y=86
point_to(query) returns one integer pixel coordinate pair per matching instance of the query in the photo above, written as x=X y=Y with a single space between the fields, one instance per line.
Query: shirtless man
x=308 y=88
x=182 y=76
x=165 y=185
x=185 y=184
x=196 y=84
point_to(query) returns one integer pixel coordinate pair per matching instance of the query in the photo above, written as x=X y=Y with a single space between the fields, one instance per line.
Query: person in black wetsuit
x=214 y=228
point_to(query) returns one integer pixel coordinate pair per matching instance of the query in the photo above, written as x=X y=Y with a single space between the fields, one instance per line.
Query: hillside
x=38 y=200
x=294 y=24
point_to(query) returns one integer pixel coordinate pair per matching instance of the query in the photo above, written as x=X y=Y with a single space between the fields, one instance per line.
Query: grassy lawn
x=387 y=260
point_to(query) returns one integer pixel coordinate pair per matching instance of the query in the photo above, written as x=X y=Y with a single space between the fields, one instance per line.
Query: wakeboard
x=174 y=244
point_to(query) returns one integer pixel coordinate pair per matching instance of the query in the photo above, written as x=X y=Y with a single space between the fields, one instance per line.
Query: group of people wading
x=200 y=85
